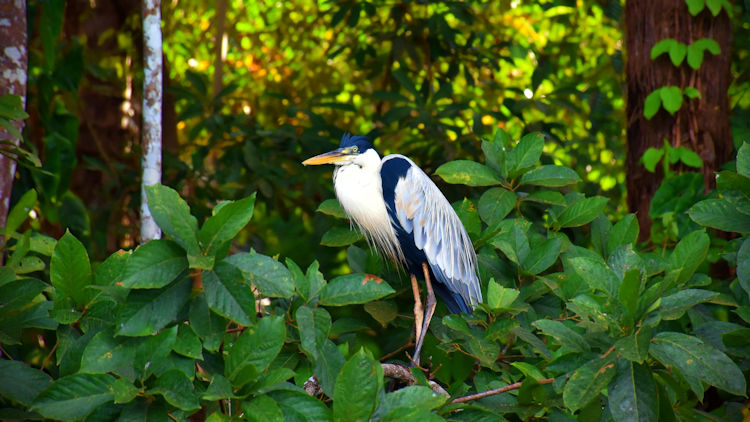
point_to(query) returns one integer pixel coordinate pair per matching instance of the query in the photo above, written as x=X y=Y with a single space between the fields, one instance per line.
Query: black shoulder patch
x=392 y=170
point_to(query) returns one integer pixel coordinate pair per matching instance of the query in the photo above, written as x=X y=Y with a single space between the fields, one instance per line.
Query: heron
x=405 y=216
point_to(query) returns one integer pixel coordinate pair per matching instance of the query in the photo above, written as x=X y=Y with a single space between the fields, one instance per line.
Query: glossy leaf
x=228 y=295
x=254 y=350
x=542 y=256
x=154 y=265
x=70 y=270
x=495 y=204
x=177 y=390
x=224 y=225
x=697 y=360
x=582 y=211
x=353 y=289
x=332 y=207
x=357 y=388
x=468 y=173
x=564 y=335
x=550 y=176
x=587 y=382
x=499 y=297
x=265 y=273
x=632 y=394
x=720 y=214
x=20 y=382
x=146 y=311
x=173 y=216
x=105 y=354
x=74 y=396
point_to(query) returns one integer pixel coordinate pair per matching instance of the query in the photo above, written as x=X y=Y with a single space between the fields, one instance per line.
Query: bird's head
x=352 y=150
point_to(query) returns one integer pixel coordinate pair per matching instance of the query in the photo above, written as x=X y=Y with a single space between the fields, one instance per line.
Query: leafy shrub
x=577 y=321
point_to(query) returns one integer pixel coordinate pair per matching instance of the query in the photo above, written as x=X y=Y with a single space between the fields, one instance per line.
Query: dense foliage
x=177 y=326
x=260 y=282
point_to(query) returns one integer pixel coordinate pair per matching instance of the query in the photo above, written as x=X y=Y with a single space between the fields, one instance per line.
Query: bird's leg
x=418 y=313
x=431 y=303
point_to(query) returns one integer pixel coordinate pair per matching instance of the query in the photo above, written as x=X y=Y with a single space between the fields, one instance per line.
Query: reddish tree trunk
x=13 y=76
x=701 y=124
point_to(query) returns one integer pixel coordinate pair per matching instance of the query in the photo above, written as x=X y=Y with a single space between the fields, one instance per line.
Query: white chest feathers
x=360 y=192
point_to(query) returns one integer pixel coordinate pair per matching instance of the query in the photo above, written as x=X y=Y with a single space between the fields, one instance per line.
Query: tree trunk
x=700 y=124
x=13 y=77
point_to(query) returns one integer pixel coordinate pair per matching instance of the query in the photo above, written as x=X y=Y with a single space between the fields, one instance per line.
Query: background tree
x=690 y=73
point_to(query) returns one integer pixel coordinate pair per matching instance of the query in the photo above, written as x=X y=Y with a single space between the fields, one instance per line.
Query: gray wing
x=422 y=210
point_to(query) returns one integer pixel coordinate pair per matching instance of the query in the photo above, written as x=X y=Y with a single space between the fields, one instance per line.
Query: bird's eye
x=355 y=149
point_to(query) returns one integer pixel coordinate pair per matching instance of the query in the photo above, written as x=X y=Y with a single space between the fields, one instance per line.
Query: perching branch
x=500 y=390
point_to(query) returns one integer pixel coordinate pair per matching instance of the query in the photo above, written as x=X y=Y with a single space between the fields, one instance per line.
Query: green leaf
x=689 y=254
x=332 y=207
x=153 y=351
x=625 y=232
x=564 y=335
x=313 y=324
x=224 y=225
x=632 y=394
x=596 y=274
x=714 y=6
x=635 y=346
x=661 y=47
x=651 y=158
x=689 y=157
x=254 y=350
x=187 y=343
x=582 y=211
x=353 y=289
x=514 y=244
x=147 y=311
x=338 y=236
x=677 y=53
x=357 y=387
x=499 y=297
x=70 y=270
x=542 y=256
x=105 y=354
x=412 y=397
x=262 y=409
x=691 y=92
x=588 y=381
x=743 y=264
x=495 y=204
x=629 y=290
x=697 y=360
x=468 y=173
x=220 y=388
x=209 y=326
x=652 y=104
x=20 y=382
x=743 y=160
x=383 y=311
x=20 y=212
x=124 y=390
x=550 y=176
x=695 y=6
x=548 y=197
x=268 y=275
x=177 y=390
x=528 y=151
x=671 y=98
x=495 y=154
x=154 y=265
x=74 y=396
x=228 y=295
x=172 y=215
x=675 y=305
x=720 y=214
x=300 y=406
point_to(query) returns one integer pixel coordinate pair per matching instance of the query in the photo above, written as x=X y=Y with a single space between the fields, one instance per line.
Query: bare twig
x=501 y=390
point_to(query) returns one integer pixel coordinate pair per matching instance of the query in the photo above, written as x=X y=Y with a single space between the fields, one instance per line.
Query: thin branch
x=501 y=390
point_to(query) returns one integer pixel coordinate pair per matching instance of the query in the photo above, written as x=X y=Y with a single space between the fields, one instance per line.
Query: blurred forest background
x=252 y=88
